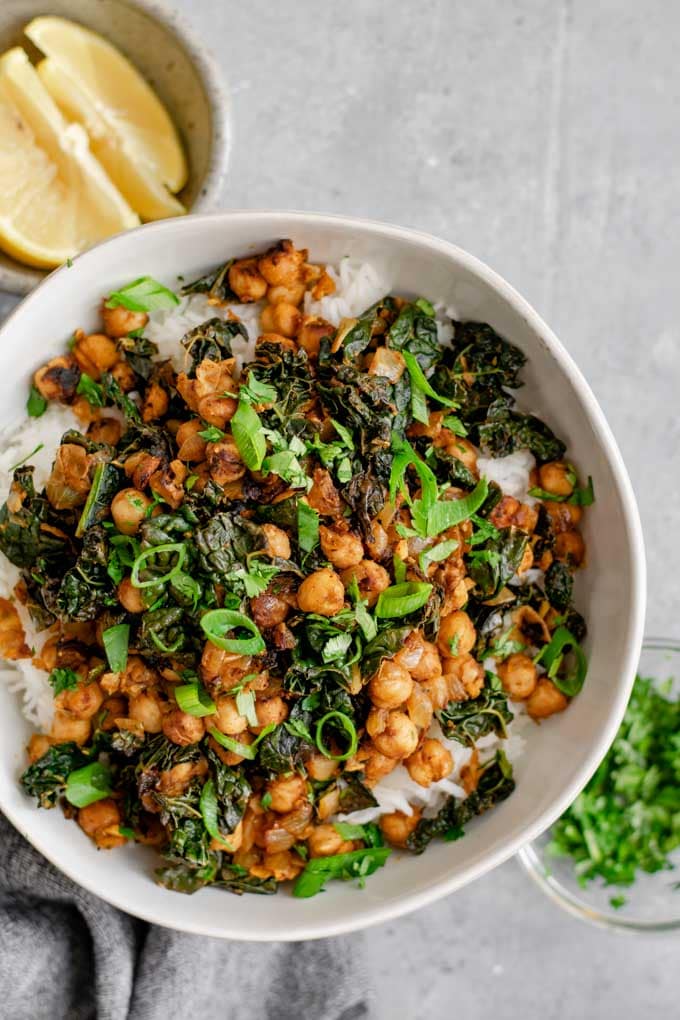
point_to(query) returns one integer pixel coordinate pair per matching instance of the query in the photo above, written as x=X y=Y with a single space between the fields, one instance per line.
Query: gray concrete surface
x=544 y=138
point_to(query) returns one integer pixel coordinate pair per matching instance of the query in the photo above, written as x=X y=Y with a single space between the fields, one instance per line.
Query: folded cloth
x=67 y=955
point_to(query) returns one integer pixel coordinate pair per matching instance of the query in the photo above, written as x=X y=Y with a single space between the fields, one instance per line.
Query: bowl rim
x=21 y=279
x=379 y=913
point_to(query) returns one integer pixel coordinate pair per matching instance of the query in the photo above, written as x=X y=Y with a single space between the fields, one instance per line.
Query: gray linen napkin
x=67 y=955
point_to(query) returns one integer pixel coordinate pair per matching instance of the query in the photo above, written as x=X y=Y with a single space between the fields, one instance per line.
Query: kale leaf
x=46 y=778
x=25 y=539
x=212 y=340
x=493 y=564
x=505 y=431
x=415 y=331
x=558 y=585
x=489 y=712
x=139 y=353
x=215 y=284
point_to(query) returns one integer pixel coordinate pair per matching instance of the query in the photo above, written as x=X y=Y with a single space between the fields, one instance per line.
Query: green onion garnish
x=308 y=527
x=445 y=514
x=402 y=599
x=208 y=806
x=420 y=384
x=86 y=785
x=246 y=428
x=552 y=655
x=248 y=751
x=194 y=700
x=356 y=864
x=245 y=706
x=143 y=295
x=157 y=550
x=116 y=640
x=350 y=730
x=219 y=622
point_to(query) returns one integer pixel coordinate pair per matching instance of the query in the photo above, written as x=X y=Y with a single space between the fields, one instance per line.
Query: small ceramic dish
x=652 y=904
x=176 y=64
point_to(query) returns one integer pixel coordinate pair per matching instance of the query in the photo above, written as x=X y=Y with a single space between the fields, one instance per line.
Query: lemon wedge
x=143 y=191
x=55 y=198
x=134 y=117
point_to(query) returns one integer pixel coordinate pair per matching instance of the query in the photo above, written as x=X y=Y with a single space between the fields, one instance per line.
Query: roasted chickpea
x=326 y=841
x=556 y=477
x=570 y=547
x=246 y=281
x=320 y=767
x=545 y=700
x=286 y=792
x=38 y=745
x=121 y=321
x=131 y=598
x=224 y=461
x=464 y=677
x=391 y=686
x=282 y=265
x=190 y=446
x=128 y=509
x=461 y=449
x=457 y=634
x=69 y=482
x=377 y=542
x=58 y=379
x=322 y=592
x=430 y=763
x=105 y=430
x=376 y=766
x=228 y=719
x=311 y=332
x=341 y=547
x=137 y=676
x=394 y=734
x=396 y=827
x=124 y=374
x=518 y=676
x=282 y=318
x=273 y=710
x=146 y=709
x=156 y=402
x=277 y=541
x=269 y=610
x=85 y=701
x=419 y=707
x=100 y=821
x=95 y=354
x=220 y=669
x=323 y=496
x=371 y=579
x=67 y=726
x=182 y=728
x=169 y=483
x=563 y=516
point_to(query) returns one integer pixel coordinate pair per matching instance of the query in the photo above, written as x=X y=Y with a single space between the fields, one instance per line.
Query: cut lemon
x=123 y=100
x=55 y=198
x=143 y=190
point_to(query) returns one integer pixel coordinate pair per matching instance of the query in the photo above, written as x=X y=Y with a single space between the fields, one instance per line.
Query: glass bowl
x=652 y=903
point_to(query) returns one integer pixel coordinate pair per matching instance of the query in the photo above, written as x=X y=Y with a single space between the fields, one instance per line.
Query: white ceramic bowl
x=561 y=754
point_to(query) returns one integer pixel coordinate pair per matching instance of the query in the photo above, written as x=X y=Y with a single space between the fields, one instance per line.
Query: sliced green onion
x=552 y=656
x=142 y=295
x=245 y=706
x=36 y=405
x=89 y=784
x=419 y=381
x=405 y=456
x=445 y=514
x=116 y=640
x=219 y=622
x=195 y=700
x=248 y=751
x=208 y=806
x=402 y=599
x=350 y=730
x=168 y=547
x=368 y=625
x=399 y=567
x=425 y=306
x=28 y=455
x=455 y=425
x=308 y=526
x=246 y=428
x=437 y=553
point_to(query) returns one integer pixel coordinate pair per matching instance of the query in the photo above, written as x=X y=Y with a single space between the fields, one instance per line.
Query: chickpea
x=100 y=821
x=246 y=282
x=156 y=402
x=85 y=701
x=106 y=430
x=269 y=610
x=190 y=446
x=323 y=496
x=457 y=634
x=131 y=598
x=124 y=374
x=430 y=763
x=173 y=782
x=67 y=726
x=224 y=461
x=326 y=841
x=321 y=768
x=137 y=676
x=391 y=686
x=217 y=409
x=464 y=677
x=371 y=579
x=377 y=766
x=328 y=803
x=322 y=592
x=545 y=700
x=419 y=707
x=518 y=676
x=228 y=719
x=95 y=354
x=222 y=670
x=282 y=318
x=140 y=467
x=377 y=541
x=58 y=379
x=277 y=542
x=121 y=321
x=286 y=792
x=128 y=509
x=182 y=728
x=283 y=264
x=341 y=547
x=282 y=866
x=563 y=516
x=556 y=477
x=394 y=735
x=325 y=284
x=273 y=710
x=311 y=332
x=146 y=709
x=38 y=745
x=570 y=547
x=169 y=484
x=112 y=709
x=429 y=665
x=396 y=827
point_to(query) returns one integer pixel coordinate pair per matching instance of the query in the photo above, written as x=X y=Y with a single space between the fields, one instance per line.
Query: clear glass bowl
x=652 y=903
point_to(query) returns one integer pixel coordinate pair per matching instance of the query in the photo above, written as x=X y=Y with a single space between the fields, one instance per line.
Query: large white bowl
x=560 y=755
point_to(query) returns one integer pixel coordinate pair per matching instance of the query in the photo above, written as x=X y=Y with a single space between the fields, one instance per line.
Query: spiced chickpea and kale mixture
x=266 y=590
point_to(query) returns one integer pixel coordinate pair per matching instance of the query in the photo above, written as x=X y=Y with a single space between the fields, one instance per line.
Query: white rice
x=358 y=285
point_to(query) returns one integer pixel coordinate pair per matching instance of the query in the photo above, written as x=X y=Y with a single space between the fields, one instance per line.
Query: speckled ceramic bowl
x=173 y=60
